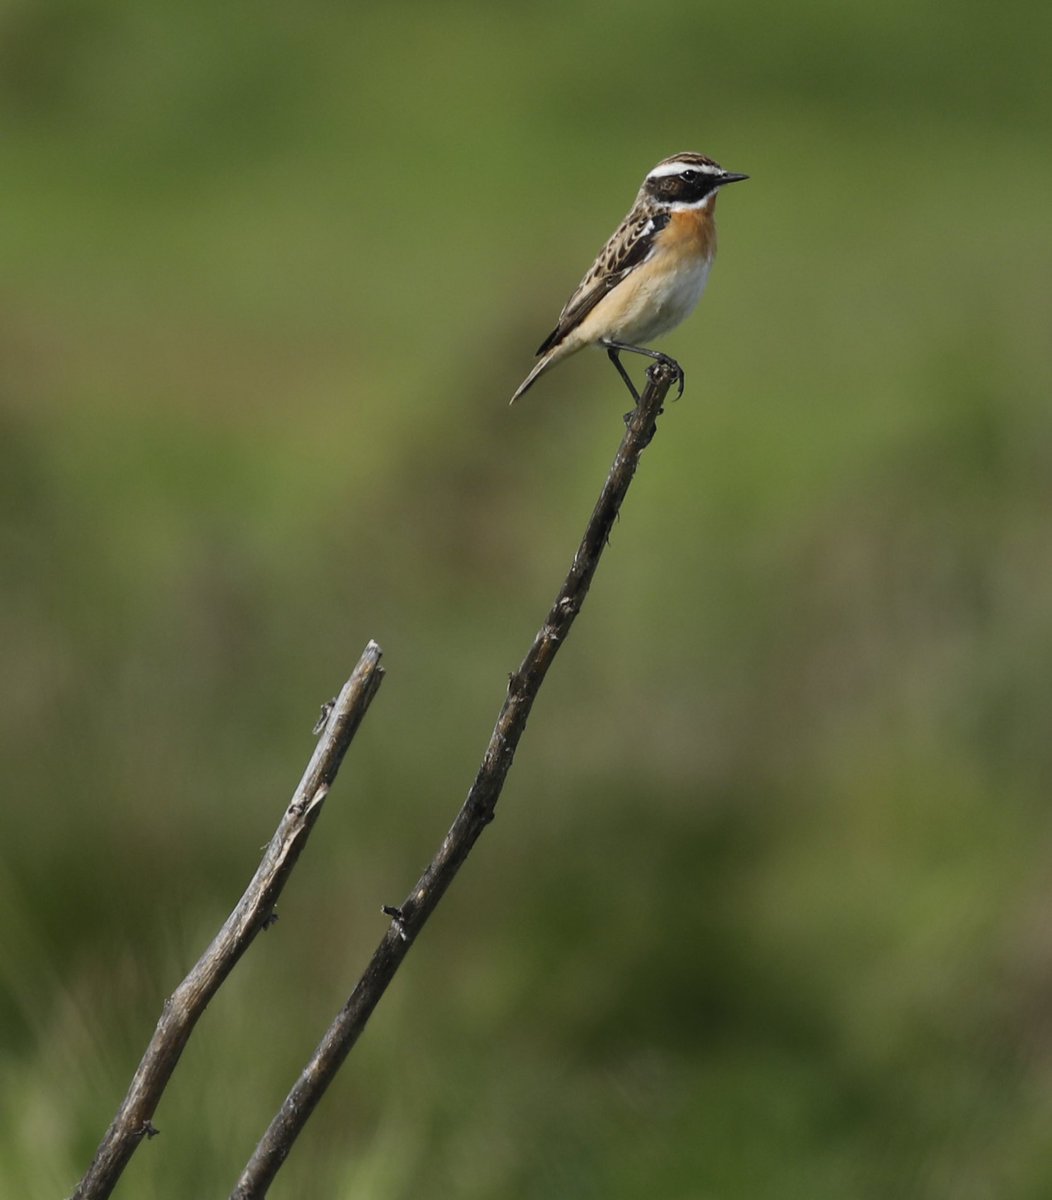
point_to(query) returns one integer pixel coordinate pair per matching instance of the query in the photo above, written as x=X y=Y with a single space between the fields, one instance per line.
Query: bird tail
x=547 y=361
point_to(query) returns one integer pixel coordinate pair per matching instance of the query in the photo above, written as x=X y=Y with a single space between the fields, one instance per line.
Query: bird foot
x=665 y=360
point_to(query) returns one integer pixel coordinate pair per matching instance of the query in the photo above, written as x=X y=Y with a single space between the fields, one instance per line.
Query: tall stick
x=254 y=912
x=474 y=816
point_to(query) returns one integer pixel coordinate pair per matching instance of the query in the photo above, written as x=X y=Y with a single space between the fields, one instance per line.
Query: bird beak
x=731 y=177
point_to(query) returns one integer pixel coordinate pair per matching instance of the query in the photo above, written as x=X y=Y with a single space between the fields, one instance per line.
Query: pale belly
x=665 y=300
x=647 y=304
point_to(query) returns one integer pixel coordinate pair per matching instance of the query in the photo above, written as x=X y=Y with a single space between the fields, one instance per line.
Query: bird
x=649 y=276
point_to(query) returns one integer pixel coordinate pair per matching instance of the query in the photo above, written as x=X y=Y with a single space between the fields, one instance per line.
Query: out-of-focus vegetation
x=765 y=910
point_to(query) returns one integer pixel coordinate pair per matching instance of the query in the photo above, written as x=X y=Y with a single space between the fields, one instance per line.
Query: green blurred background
x=765 y=911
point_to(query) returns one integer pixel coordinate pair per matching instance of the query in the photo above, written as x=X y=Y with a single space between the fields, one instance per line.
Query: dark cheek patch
x=675 y=188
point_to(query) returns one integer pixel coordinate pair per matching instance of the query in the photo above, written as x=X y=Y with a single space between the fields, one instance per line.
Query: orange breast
x=690 y=233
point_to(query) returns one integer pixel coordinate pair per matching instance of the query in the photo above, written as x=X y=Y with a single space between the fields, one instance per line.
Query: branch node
x=481 y=808
x=323 y=717
x=318 y=797
x=148 y=1130
x=397 y=920
x=270 y=919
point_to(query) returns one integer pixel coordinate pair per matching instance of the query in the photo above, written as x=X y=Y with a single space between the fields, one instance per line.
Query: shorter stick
x=254 y=912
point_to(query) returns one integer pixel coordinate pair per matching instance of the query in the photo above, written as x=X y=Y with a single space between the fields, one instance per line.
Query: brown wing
x=631 y=244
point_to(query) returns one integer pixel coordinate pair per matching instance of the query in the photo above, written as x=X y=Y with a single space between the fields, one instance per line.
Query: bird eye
x=691 y=176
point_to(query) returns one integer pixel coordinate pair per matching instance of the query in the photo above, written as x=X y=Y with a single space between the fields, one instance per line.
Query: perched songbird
x=649 y=275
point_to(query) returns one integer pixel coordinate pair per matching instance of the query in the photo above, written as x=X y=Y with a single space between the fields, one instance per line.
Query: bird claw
x=678 y=374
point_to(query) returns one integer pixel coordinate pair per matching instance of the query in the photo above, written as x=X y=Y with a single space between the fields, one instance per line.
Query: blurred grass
x=764 y=913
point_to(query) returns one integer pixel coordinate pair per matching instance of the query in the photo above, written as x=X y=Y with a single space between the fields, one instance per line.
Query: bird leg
x=614 y=348
x=614 y=354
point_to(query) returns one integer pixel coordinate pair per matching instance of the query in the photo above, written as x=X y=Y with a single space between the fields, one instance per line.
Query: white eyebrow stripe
x=678 y=166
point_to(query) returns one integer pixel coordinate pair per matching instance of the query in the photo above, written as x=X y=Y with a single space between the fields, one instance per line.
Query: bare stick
x=477 y=812
x=255 y=911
